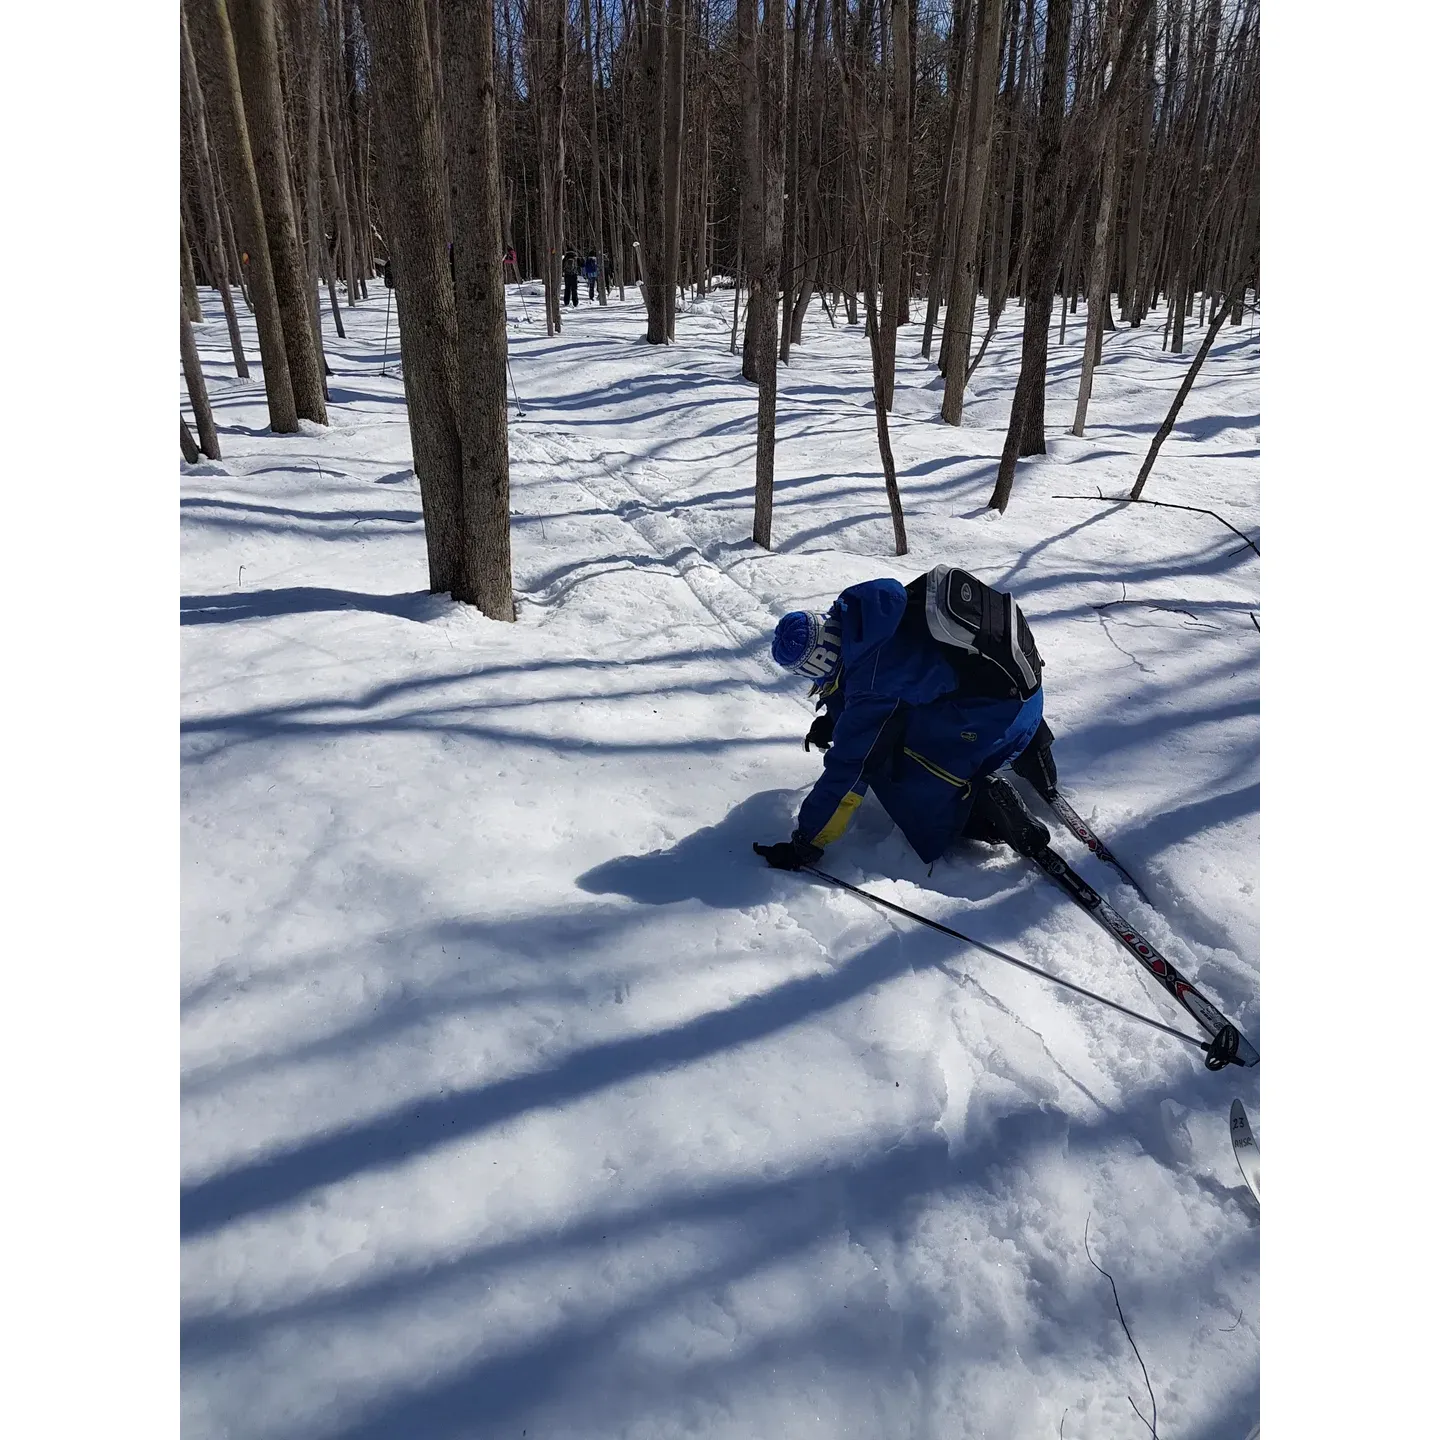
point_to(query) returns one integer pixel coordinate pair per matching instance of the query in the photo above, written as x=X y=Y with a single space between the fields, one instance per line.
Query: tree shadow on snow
x=715 y=865
x=419 y=605
x=594 y=1362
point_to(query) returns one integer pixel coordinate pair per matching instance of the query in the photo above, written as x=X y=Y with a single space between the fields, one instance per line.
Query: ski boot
x=1036 y=764
x=999 y=816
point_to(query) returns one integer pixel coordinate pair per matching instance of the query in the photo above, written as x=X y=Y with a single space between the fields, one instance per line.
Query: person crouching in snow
x=925 y=691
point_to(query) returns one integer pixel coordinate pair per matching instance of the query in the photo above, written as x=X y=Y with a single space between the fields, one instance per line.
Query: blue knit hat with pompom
x=807 y=643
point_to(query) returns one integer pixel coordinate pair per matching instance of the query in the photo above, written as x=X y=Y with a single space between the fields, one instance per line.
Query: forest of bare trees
x=915 y=166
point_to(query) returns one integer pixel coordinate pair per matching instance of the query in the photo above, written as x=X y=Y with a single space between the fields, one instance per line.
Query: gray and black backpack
x=982 y=631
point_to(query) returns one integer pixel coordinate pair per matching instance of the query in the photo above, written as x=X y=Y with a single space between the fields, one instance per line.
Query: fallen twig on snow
x=1164 y=505
x=1154 y=1414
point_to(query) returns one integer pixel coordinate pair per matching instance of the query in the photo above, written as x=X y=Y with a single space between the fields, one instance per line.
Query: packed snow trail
x=520 y=1096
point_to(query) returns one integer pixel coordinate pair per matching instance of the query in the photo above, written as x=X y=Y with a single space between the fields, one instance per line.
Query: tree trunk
x=674 y=133
x=813 y=244
x=1050 y=233
x=852 y=88
x=1098 y=290
x=791 y=241
x=597 y=226
x=210 y=196
x=1132 y=298
x=765 y=297
x=189 y=450
x=1026 y=433
x=343 y=243
x=412 y=181
x=195 y=384
x=307 y=86
x=1216 y=320
x=189 y=296
x=1004 y=265
x=258 y=59
x=651 y=255
x=898 y=164
x=214 y=48
x=964 y=275
x=959 y=26
x=752 y=191
x=1185 y=267
x=474 y=171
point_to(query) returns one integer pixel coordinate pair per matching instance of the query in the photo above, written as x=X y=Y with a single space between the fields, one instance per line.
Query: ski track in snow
x=520 y=1098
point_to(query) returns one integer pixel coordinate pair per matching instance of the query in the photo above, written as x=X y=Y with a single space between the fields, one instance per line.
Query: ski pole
x=519 y=405
x=1216 y=1047
x=385 y=359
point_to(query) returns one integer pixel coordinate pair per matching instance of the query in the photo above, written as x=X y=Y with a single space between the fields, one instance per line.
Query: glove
x=1037 y=765
x=792 y=854
x=821 y=732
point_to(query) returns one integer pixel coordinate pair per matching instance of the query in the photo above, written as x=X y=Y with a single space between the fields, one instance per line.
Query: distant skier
x=925 y=690
x=570 y=271
x=592 y=269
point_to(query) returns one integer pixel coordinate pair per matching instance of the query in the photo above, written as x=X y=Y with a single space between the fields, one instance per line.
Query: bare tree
x=259 y=65
x=1051 y=227
x=650 y=247
x=214 y=45
x=411 y=174
x=674 y=132
x=897 y=165
x=1098 y=287
x=196 y=130
x=765 y=295
x=852 y=89
x=597 y=227
x=195 y=384
x=964 y=274
x=474 y=168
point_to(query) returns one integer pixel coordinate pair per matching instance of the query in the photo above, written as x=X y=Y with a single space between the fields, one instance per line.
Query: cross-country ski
x=1246 y=1146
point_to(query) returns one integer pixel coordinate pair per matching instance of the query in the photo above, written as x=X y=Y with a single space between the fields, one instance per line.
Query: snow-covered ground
x=521 y=1099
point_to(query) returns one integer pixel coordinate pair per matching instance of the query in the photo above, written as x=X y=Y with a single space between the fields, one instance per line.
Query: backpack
x=982 y=631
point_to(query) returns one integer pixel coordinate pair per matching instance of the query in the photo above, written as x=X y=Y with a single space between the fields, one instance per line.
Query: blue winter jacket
x=903 y=729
